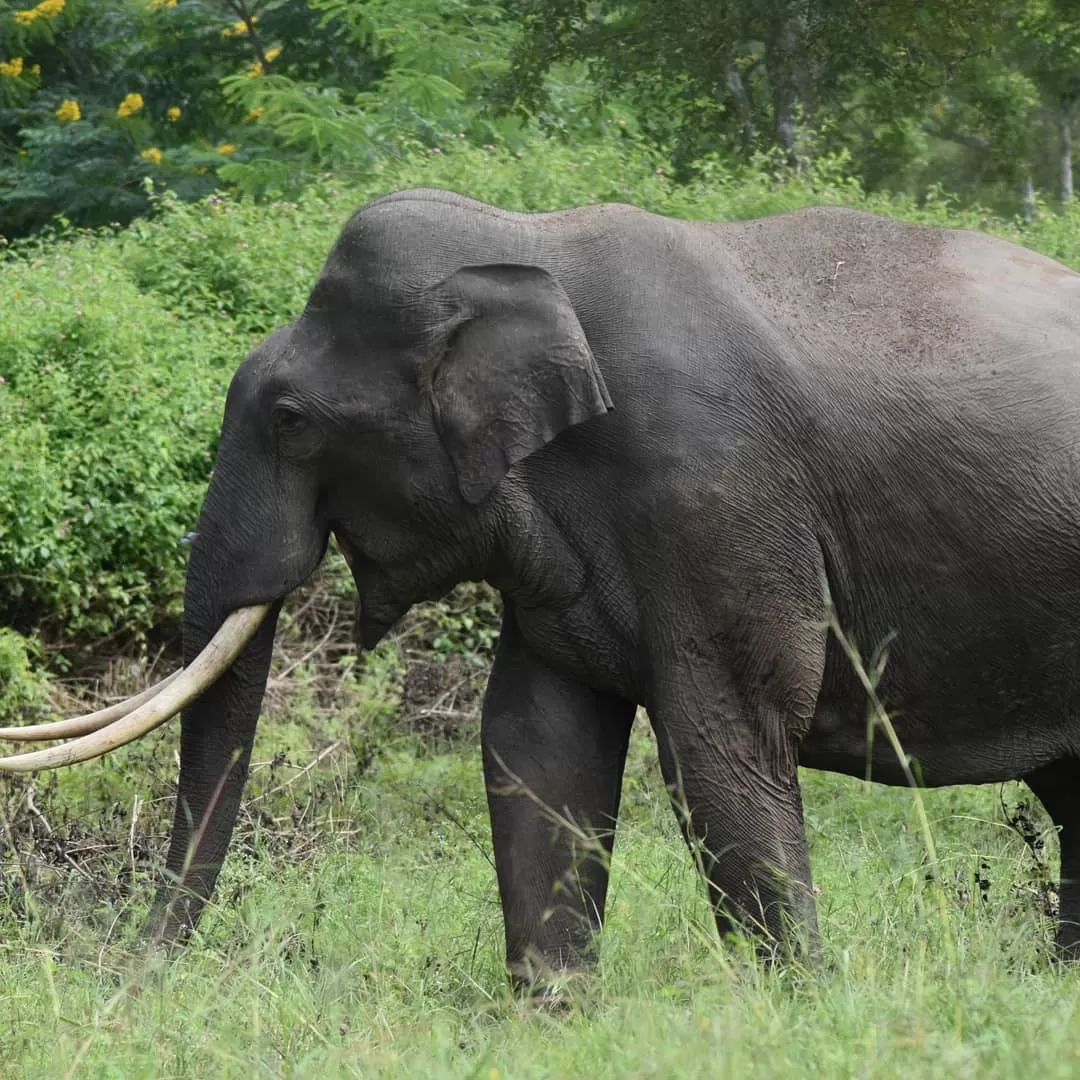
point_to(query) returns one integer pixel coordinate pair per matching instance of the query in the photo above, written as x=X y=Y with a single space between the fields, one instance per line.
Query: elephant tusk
x=218 y=656
x=83 y=725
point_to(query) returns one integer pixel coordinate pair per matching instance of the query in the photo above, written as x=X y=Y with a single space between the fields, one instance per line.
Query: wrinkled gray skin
x=660 y=440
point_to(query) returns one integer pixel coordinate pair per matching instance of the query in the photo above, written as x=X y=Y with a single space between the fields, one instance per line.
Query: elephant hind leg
x=730 y=760
x=1057 y=787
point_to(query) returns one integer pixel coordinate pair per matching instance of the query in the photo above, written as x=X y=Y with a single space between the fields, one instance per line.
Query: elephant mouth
x=368 y=632
x=380 y=605
x=380 y=608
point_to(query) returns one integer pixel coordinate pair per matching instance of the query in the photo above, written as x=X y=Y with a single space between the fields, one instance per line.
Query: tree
x=97 y=96
x=1047 y=48
x=745 y=68
x=912 y=92
x=435 y=60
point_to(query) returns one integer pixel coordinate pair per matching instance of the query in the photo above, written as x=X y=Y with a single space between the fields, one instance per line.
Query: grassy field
x=357 y=931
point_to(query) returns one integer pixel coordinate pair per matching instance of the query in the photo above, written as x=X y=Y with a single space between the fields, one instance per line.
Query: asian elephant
x=674 y=448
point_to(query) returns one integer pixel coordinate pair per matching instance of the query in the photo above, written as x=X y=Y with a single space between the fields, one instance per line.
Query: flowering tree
x=433 y=63
x=98 y=96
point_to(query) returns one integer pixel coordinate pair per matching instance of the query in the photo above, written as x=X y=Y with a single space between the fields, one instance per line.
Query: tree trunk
x=1066 y=129
x=736 y=87
x=1027 y=197
x=781 y=61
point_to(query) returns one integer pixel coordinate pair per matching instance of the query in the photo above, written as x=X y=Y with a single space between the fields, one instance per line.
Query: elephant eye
x=289 y=421
x=295 y=432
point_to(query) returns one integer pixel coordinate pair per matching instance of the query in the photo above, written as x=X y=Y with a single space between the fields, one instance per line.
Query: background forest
x=102 y=101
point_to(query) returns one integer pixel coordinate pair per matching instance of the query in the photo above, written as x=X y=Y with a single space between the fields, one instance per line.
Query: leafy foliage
x=23 y=686
x=436 y=55
x=97 y=96
x=116 y=348
x=974 y=95
x=109 y=92
x=111 y=395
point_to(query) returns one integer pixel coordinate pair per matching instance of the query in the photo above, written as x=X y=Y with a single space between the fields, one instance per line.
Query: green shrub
x=23 y=689
x=111 y=444
x=116 y=349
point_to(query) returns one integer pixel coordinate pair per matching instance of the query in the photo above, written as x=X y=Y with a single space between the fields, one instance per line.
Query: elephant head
x=436 y=351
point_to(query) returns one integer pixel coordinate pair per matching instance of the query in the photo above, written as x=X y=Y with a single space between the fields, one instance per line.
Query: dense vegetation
x=357 y=929
x=116 y=349
x=102 y=101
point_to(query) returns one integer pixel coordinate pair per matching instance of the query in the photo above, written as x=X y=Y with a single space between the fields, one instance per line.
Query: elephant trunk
x=216 y=736
x=257 y=539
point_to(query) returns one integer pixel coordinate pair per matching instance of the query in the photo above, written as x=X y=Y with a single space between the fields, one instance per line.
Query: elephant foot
x=548 y=988
x=1067 y=944
x=171 y=920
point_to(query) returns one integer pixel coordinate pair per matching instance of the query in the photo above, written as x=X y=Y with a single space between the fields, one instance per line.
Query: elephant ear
x=516 y=371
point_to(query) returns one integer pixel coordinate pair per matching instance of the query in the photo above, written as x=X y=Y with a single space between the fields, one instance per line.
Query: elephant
x=679 y=450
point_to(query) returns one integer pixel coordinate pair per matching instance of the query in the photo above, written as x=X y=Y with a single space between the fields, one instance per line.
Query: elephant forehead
x=386 y=262
x=368 y=296
x=396 y=248
x=260 y=367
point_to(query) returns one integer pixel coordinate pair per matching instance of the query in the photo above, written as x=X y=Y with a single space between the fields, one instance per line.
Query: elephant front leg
x=554 y=752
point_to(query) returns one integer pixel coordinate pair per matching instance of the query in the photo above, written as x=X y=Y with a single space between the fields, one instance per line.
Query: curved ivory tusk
x=83 y=725
x=218 y=656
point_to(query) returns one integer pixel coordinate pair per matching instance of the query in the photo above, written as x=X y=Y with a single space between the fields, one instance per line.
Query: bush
x=117 y=351
x=117 y=347
x=23 y=689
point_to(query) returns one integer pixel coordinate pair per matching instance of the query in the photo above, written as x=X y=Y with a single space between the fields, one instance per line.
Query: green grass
x=356 y=931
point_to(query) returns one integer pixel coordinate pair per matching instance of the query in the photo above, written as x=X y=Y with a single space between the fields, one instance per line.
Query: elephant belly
x=960 y=749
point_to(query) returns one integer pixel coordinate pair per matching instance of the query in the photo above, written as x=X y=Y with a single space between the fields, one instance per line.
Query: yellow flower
x=238 y=29
x=162 y=3
x=254 y=71
x=129 y=106
x=36 y=69
x=46 y=9
x=227 y=148
x=255 y=113
x=13 y=68
x=68 y=111
x=151 y=154
x=273 y=54
x=172 y=114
